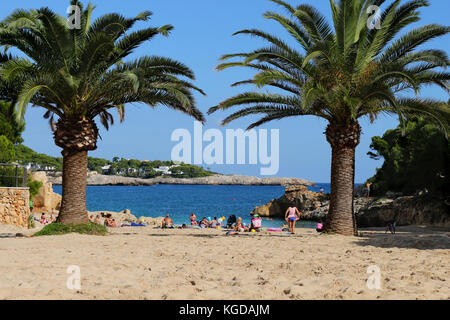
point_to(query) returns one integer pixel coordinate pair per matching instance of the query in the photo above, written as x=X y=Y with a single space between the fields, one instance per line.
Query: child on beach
x=240 y=226
x=320 y=227
x=292 y=215
x=256 y=223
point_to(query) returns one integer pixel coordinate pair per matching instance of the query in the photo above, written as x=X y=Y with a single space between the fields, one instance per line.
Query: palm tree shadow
x=421 y=238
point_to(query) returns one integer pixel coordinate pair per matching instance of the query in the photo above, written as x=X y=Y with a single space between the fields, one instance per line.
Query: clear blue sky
x=202 y=34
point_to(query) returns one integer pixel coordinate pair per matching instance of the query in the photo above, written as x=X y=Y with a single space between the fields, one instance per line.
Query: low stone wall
x=14 y=206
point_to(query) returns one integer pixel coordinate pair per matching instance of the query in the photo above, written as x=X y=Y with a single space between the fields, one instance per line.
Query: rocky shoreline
x=370 y=212
x=95 y=179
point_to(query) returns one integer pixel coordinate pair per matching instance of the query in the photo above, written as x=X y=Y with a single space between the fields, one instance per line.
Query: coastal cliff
x=370 y=212
x=95 y=179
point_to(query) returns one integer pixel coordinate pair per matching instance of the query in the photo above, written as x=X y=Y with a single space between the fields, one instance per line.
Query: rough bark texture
x=75 y=137
x=343 y=141
x=73 y=205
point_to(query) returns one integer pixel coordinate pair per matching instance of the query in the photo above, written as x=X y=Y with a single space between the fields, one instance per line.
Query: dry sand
x=145 y=263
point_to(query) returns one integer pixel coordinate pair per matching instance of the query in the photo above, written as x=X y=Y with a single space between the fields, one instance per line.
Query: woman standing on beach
x=292 y=215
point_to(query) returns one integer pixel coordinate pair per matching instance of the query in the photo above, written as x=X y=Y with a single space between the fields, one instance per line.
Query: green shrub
x=34 y=186
x=31 y=224
x=60 y=229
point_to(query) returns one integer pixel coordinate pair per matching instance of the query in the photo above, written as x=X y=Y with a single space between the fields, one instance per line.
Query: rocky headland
x=370 y=212
x=95 y=179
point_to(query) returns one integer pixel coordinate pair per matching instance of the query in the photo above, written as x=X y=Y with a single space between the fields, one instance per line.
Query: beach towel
x=137 y=225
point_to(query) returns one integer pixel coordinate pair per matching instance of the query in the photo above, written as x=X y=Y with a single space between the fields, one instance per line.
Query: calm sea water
x=181 y=200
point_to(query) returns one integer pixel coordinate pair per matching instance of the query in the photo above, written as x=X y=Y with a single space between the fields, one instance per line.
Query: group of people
x=44 y=221
x=206 y=222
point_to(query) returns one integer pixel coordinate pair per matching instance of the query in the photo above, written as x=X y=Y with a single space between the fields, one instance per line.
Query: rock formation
x=125 y=216
x=295 y=196
x=370 y=212
x=46 y=200
x=95 y=179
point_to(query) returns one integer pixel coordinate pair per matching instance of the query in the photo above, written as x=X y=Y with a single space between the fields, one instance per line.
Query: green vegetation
x=9 y=126
x=414 y=161
x=25 y=155
x=60 y=229
x=118 y=166
x=31 y=223
x=6 y=149
x=34 y=187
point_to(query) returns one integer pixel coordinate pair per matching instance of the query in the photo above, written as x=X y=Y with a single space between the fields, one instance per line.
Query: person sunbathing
x=168 y=222
x=240 y=226
x=204 y=223
x=231 y=220
x=193 y=219
x=114 y=224
x=213 y=223
x=43 y=220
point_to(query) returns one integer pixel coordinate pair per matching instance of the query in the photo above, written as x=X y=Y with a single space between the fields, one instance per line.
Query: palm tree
x=342 y=74
x=79 y=75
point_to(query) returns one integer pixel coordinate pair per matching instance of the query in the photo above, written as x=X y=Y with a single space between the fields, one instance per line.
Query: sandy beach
x=147 y=263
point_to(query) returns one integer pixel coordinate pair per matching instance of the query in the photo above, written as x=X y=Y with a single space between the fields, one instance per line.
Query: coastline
x=94 y=179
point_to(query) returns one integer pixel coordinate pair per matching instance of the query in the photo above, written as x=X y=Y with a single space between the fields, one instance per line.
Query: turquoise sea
x=181 y=200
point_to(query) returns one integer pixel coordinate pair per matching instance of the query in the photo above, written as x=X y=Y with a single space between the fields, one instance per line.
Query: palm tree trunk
x=340 y=215
x=343 y=141
x=73 y=206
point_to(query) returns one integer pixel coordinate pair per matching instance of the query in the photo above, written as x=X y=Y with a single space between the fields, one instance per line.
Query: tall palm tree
x=342 y=74
x=79 y=75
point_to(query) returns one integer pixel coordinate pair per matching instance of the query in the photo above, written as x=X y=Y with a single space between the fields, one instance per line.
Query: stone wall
x=14 y=206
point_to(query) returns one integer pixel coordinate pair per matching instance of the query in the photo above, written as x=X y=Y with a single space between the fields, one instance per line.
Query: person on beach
x=391 y=227
x=168 y=222
x=368 y=189
x=320 y=227
x=213 y=223
x=204 y=223
x=256 y=223
x=321 y=190
x=231 y=220
x=292 y=215
x=97 y=220
x=91 y=218
x=43 y=220
x=240 y=226
x=193 y=219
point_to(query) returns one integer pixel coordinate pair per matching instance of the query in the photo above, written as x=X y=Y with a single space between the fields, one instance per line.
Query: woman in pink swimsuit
x=292 y=215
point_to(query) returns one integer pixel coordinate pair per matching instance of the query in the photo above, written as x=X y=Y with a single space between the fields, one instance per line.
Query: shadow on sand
x=421 y=238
